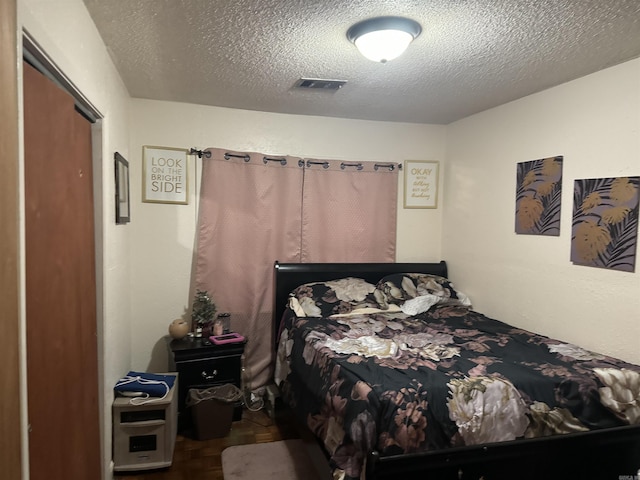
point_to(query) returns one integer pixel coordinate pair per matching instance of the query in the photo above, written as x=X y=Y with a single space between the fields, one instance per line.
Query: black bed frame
x=595 y=455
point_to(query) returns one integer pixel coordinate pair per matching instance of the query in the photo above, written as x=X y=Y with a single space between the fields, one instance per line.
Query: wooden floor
x=201 y=460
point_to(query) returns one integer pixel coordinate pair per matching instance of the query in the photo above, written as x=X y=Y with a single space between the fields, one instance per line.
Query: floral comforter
x=365 y=375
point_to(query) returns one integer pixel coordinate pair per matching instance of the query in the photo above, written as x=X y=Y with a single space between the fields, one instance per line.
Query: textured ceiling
x=472 y=54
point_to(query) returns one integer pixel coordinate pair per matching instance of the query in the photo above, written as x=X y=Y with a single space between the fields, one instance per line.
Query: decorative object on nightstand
x=202 y=312
x=218 y=326
x=179 y=328
x=222 y=324
x=226 y=338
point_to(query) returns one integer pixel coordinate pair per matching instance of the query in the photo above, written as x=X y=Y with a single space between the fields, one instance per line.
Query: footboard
x=602 y=455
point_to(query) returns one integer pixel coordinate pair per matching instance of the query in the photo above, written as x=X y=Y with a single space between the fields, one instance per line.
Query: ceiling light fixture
x=383 y=38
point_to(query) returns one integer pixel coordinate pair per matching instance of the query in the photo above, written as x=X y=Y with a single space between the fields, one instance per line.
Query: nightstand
x=201 y=364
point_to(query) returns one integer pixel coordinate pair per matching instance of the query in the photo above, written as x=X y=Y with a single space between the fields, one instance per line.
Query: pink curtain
x=249 y=217
x=349 y=212
x=256 y=209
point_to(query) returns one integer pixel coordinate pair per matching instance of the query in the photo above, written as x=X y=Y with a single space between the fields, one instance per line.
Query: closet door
x=62 y=372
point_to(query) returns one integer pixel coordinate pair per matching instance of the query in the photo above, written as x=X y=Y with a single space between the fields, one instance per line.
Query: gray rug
x=282 y=460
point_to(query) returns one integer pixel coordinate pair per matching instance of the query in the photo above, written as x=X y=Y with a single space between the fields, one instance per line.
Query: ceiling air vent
x=319 y=84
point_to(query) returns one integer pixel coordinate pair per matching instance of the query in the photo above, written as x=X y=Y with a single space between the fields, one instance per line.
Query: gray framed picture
x=123 y=204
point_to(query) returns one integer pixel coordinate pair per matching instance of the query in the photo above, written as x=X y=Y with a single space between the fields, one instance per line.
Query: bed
x=398 y=377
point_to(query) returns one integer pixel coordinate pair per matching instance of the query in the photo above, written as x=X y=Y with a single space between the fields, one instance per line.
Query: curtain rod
x=301 y=162
x=200 y=153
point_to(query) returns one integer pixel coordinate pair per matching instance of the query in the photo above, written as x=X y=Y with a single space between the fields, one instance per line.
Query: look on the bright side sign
x=165 y=175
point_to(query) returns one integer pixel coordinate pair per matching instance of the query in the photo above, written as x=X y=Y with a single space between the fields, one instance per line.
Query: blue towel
x=151 y=384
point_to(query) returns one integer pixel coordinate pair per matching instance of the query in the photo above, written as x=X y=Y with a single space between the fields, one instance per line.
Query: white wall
x=67 y=34
x=529 y=281
x=163 y=235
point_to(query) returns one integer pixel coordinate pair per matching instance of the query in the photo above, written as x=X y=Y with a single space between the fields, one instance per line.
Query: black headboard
x=288 y=276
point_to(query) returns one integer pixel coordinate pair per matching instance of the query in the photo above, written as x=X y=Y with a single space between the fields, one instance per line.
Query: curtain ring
x=325 y=165
x=390 y=166
x=246 y=158
x=358 y=166
x=283 y=161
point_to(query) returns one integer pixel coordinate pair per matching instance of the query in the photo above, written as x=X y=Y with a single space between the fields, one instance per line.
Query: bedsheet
x=445 y=378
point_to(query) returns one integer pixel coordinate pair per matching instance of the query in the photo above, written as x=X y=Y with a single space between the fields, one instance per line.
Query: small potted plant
x=202 y=312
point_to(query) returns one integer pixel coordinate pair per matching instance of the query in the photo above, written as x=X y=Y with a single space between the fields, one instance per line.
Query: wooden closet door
x=62 y=372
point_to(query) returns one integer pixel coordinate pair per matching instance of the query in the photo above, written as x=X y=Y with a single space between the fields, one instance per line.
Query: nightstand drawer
x=210 y=371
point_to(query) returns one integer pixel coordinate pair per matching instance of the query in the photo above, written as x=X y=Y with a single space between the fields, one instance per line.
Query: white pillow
x=420 y=304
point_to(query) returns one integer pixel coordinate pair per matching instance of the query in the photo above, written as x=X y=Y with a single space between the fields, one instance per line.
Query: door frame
x=11 y=426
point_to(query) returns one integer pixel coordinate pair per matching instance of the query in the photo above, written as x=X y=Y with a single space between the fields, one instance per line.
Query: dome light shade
x=383 y=38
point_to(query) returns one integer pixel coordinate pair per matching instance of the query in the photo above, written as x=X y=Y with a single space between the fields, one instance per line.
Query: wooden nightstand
x=201 y=364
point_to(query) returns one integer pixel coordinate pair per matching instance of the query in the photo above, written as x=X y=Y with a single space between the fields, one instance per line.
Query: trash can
x=212 y=409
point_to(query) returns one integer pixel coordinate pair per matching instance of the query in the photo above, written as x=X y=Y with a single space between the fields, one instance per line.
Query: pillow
x=406 y=290
x=322 y=299
x=420 y=304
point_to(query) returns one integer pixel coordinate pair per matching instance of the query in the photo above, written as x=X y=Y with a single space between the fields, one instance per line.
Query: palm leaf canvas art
x=604 y=230
x=538 y=196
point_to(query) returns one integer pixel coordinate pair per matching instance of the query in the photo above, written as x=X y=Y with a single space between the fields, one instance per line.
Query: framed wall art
x=604 y=230
x=165 y=175
x=421 y=184
x=123 y=205
x=539 y=196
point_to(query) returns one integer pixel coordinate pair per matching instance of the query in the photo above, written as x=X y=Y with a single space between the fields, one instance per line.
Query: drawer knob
x=206 y=376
